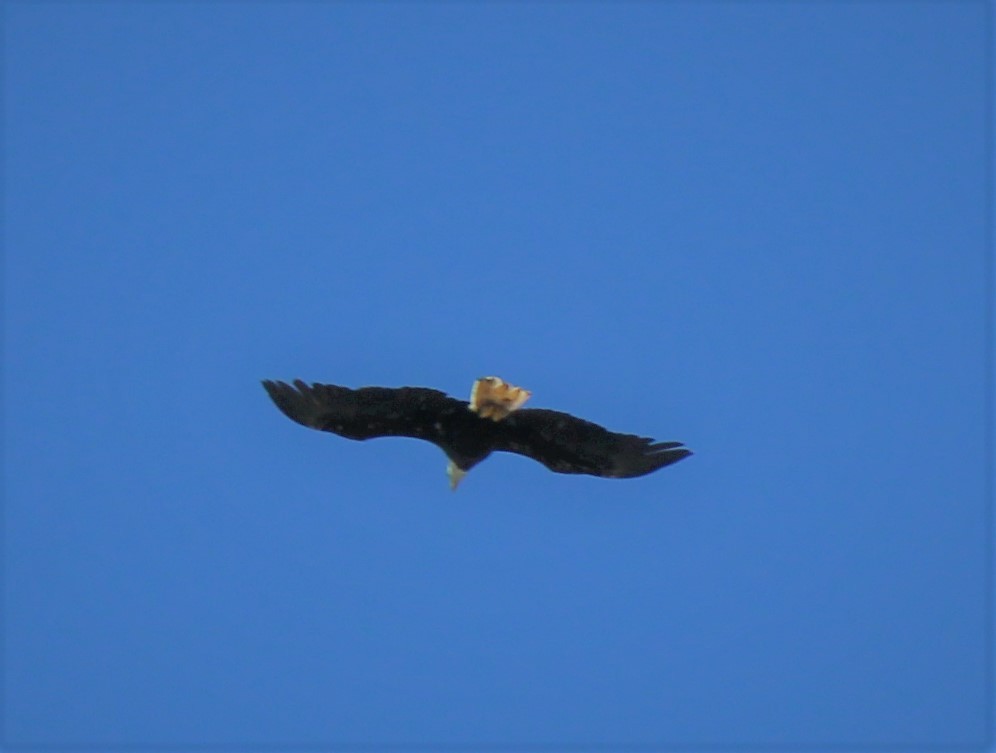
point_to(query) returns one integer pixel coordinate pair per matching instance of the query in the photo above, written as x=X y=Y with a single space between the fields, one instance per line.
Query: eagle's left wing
x=366 y=412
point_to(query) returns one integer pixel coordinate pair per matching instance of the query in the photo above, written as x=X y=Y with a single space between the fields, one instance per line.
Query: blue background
x=756 y=228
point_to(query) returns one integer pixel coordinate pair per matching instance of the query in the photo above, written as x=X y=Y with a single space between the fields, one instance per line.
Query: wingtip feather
x=293 y=403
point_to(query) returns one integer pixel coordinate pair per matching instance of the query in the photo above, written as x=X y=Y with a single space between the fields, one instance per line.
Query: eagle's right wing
x=366 y=412
x=566 y=444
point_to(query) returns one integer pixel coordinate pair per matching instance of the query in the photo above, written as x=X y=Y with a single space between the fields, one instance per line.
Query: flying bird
x=468 y=431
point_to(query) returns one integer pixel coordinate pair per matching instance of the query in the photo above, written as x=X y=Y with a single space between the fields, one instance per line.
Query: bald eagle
x=470 y=431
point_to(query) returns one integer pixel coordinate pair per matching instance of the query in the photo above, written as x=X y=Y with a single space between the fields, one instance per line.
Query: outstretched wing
x=366 y=412
x=566 y=444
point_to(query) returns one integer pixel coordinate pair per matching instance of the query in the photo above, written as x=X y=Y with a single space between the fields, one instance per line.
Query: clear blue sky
x=756 y=228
